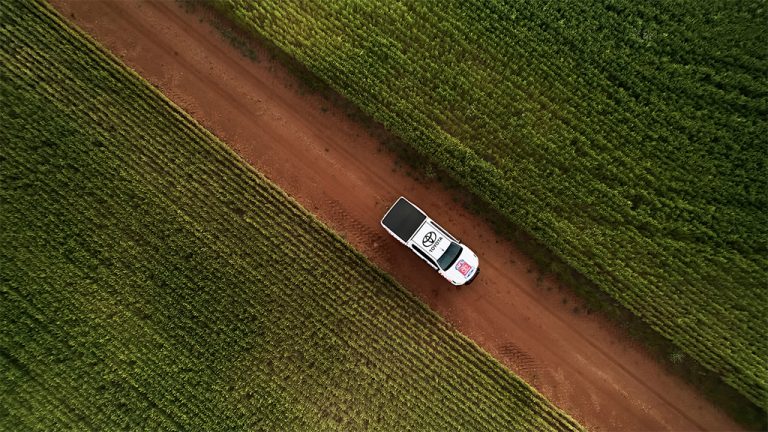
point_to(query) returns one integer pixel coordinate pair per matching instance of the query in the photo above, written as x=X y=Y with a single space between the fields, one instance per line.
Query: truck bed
x=403 y=219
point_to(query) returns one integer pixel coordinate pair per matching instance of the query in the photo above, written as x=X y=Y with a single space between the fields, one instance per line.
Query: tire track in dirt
x=521 y=362
x=332 y=167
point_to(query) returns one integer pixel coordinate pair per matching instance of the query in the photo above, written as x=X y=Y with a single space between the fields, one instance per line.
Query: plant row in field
x=151 y=279
x=629 y=139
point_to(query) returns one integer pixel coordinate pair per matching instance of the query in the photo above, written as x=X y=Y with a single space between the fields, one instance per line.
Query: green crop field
x=150 y=279
x=629 y=138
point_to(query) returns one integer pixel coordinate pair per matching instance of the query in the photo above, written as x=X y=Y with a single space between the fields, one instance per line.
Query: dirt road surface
x=334 y=168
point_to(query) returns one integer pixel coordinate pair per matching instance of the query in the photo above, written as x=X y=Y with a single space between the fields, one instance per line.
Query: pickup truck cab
x=443 y=252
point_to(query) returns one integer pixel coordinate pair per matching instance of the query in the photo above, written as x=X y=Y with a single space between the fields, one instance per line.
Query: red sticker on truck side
x=463 y=267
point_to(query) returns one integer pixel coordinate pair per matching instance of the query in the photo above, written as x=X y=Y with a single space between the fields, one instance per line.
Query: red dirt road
x=334 y=168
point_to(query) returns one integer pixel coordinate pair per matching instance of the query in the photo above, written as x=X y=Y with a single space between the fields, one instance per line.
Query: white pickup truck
x=431 y=242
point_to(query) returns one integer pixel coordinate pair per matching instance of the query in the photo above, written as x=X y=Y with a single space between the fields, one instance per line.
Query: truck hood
x=464 y=268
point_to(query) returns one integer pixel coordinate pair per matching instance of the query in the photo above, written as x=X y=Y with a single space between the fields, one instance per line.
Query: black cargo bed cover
x=403 y=219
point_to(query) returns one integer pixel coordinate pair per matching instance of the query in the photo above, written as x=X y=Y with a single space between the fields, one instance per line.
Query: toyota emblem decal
x=429 y=239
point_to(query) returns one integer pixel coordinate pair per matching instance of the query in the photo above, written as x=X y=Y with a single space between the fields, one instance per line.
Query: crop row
x=628 y=139
x=151 y=279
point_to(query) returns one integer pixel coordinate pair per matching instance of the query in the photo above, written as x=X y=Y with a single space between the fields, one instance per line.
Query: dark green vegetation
x=628 y=138
x=150 y=279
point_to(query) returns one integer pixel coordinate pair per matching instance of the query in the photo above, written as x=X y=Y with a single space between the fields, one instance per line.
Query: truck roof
x=403 y=219
x=431 y=241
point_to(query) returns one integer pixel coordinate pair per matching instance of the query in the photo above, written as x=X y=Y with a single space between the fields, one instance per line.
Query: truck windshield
x=449 y=257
